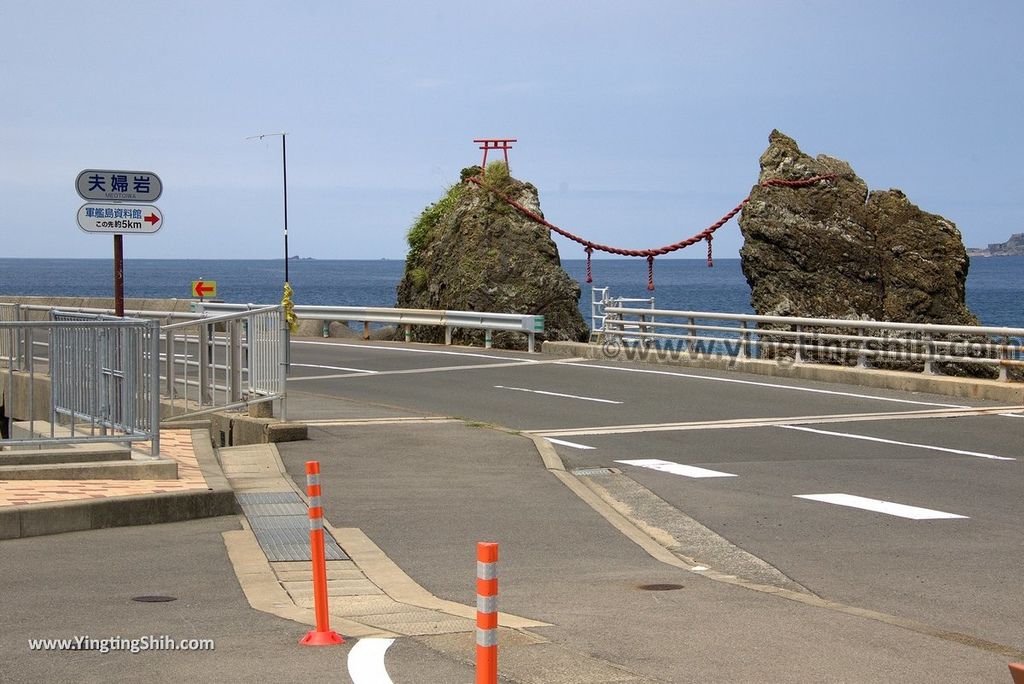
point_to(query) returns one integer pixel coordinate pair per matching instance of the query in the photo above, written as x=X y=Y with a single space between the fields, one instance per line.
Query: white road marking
x=766 y=384
x=892 y=441
x=419 y=371
x=879 y=506
x=412 y=351
x=731 y=423
x=675 y=468
x=341 y=368
x=574 y=445
x=557 y=394
x=366 y=661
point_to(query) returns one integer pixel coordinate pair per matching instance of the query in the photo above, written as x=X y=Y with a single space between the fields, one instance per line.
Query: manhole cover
x=154 y=599
x=660 y=587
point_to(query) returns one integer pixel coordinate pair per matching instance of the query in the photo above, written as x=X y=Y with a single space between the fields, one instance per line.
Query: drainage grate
x=281 y=524
x=660 y=587
x=590 y=472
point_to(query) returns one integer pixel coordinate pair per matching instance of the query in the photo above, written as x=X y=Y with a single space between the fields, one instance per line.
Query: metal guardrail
x=819 y=340
x=530 y=325
x=103 y=378
x=600 y=300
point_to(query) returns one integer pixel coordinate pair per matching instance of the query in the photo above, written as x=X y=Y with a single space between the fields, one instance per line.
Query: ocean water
x=995 y=285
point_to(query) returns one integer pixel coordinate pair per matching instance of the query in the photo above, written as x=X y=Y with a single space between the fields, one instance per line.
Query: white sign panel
x=104 y=185
x=122 y=219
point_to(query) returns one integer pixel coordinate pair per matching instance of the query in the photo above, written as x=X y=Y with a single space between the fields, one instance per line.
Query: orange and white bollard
x=322 y=635
x=486 y=613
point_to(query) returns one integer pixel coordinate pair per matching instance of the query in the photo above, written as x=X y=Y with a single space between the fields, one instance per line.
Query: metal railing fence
x=906 y=346
x=103 y=378
x=223 y=362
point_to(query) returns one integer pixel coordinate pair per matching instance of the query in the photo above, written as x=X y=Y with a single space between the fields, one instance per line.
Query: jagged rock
x=470 y=251
x=836 y=250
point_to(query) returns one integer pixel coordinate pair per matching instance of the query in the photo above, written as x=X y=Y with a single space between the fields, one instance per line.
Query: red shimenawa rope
x=667 y=249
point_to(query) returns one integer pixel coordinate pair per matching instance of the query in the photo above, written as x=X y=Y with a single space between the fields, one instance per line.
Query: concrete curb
x=967 y=388
x=72 y=516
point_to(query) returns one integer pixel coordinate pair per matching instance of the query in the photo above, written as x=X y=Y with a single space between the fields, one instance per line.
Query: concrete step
x=141 y=469
x=72 y=453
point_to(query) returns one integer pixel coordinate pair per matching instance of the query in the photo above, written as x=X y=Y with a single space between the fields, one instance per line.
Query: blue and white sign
x=119 y=186
x=119 y=219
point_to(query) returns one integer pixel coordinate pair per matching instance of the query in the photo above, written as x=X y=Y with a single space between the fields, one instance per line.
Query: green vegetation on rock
x=419 y=235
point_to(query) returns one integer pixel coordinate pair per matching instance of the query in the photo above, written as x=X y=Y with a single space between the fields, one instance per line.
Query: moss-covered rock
x=471 y=251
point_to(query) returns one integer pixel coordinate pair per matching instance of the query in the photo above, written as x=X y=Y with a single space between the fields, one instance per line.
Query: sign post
x=105 y=192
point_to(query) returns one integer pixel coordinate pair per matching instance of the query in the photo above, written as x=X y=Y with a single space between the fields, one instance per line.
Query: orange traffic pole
x=486 y=613
x=322 y=635
x=1017 y=673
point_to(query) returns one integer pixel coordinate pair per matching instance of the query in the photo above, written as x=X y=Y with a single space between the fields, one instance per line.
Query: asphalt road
x=804 y=439
x=82 y=583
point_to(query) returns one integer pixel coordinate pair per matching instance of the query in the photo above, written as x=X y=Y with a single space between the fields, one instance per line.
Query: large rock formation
x=836 y=250
x=471 y=251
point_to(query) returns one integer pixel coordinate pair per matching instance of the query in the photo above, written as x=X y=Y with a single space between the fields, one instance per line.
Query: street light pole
x=284 y=175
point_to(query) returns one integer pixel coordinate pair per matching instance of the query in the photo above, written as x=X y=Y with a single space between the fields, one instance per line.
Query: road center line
x=410 y=350
x=772 y=385
x=557 y=394
x=892 y=441
x=879 y=506
x=341 y=368
x=366 y=661
x=417 y=371
x=574 y=445
x=675 y=468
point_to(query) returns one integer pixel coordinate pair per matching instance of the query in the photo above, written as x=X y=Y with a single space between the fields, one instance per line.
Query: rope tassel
x=590 y=276
x=711 y=262
x=650 y=273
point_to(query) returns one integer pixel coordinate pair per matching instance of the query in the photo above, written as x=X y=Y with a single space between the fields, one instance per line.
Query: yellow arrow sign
x=204 y=288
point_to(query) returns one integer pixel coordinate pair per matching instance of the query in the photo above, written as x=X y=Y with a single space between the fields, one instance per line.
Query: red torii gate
x=503 y=144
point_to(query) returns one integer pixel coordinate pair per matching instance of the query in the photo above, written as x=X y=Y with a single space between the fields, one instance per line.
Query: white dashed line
x=675 y=468
x=960 y=452
x=879 y=506
x=772 y=385
x=366 y=661
x=557 y=394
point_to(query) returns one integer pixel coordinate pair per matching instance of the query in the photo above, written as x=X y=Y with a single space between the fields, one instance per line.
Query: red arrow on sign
x=202 y=288
x=152 y=218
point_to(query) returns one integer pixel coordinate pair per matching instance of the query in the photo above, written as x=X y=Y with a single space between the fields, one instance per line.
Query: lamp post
x=284 y=175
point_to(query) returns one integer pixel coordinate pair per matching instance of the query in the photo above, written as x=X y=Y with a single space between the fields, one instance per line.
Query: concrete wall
x=130 y=305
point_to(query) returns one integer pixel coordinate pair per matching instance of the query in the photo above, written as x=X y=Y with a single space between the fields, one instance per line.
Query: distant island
x=300 y=258
x=1012 y=247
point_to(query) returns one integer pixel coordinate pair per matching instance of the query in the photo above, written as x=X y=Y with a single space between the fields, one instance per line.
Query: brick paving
x=174 y=444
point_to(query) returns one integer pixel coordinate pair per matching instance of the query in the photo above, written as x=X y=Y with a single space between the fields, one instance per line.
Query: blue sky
x=640 y=123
